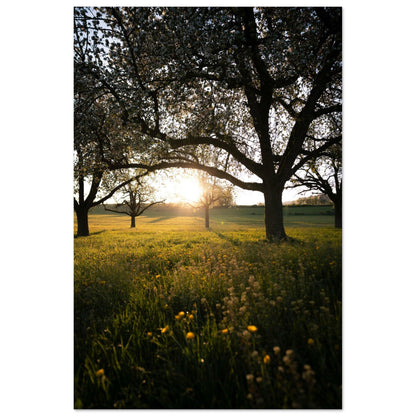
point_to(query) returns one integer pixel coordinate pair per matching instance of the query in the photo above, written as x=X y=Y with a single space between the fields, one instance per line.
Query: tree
x=213 y=193
x=270 y=76
x=93 y=146
x=139 y=197
x=324 y=174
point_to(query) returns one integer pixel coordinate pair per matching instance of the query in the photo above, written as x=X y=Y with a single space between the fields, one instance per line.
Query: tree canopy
x=262 y=86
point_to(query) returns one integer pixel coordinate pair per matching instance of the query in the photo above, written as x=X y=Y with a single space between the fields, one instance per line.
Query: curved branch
x=252 y=166
x=251 y=186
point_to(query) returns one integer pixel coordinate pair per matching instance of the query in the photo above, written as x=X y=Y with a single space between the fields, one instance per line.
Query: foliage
x=259 y=85
x=188 y=319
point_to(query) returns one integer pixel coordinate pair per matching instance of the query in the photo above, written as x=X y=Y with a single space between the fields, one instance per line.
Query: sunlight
x=186 y=189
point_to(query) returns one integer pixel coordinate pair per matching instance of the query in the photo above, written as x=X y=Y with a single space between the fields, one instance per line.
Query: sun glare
x=186 y=189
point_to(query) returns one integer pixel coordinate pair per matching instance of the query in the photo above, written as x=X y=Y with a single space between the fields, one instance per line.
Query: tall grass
x=203 y=319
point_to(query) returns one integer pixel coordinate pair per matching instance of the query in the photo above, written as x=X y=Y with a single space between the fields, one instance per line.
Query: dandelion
x=311 y=341
x=181 y=314
x=190 y=335
x=224 y=331
x=190 y=317
x=276 y=350
x=157 y=276
x=165 y=329
x=252 y=328
x=99 y=372
x=267 y=359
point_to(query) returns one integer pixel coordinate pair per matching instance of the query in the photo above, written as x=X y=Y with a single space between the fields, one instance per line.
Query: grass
x=171 y=315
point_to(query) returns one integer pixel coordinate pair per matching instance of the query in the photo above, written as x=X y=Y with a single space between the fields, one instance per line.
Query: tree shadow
x=159 y=219
x=233 y=241
x=94 y=233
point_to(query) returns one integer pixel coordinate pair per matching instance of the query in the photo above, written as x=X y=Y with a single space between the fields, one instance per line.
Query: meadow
x=171 y=315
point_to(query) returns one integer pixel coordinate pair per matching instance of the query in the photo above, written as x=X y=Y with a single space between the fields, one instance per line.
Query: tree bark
x=82 y=222
x=338 y=212
x=133 y=221
x=273 y=215
x=206 y=207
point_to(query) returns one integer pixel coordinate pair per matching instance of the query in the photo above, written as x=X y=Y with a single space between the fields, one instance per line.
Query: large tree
x=254 y=83
x=94 y=145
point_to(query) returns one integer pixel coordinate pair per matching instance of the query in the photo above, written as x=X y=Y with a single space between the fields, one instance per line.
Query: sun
x=186 y=188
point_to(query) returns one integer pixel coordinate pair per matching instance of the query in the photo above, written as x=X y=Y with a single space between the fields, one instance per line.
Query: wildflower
x=246 y=334
x=181 y=314
x=249 y=378
x=267 y=359
x=311 y=341
x=252 y=328
x=190 y=317
x=99 y=372
x=190 y=335
x=165 y=329
x=158 y=275
x=224 y=331
x=276 y=350
x=259 y=379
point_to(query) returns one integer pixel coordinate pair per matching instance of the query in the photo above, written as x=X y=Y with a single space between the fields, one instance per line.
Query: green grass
x=131 y=346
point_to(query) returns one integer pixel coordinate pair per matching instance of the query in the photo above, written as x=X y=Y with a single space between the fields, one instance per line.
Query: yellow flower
x=181 y=314
x=100 y=372
x=267 y=359
x=149 y=334
x=165 y=329
x=190 y=335
x=224 y=331
x=191 y=317
x=252 y=328
x=158 y=275
x=311 y=341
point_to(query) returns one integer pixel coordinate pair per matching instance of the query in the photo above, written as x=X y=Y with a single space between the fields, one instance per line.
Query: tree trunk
x=338 y=212
x=206 y=216
x=133 y=221
x=273 y=215
x=82 y=222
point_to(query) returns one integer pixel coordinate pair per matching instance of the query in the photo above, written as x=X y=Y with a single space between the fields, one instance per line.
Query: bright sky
x=184 y=187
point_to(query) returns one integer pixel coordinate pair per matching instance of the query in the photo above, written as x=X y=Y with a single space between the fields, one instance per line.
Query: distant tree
x=214 y=193
x=138 y=197
x=272 y=76
x=324 y=174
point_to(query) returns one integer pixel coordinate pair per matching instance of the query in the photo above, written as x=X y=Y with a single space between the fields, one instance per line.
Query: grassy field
x=170 y=315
